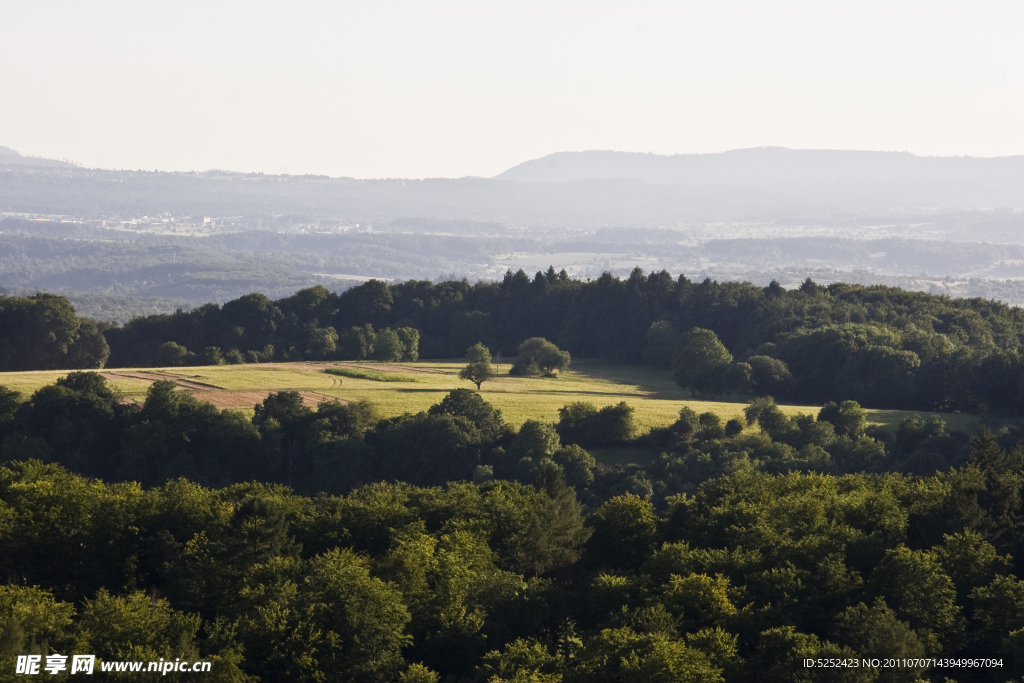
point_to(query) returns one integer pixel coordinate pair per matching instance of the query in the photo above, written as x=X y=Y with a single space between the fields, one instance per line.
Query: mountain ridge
x=11 y=157
x=765 y=166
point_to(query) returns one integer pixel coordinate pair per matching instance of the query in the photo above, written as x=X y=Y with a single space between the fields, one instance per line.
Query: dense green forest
x=881 y=346
x=326 y=544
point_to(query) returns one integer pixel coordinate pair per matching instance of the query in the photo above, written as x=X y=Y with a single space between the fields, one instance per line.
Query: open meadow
x=396 y=388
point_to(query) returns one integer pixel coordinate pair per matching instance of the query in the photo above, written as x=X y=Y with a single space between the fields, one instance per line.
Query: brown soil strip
x=158 y=376
x=245 y=400
x=220 y=398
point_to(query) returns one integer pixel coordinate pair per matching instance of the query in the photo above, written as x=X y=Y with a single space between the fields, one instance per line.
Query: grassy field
x=651 y=391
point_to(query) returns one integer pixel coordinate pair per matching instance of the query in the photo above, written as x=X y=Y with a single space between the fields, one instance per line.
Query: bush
x=538 y=356
x=582 y=423
x=171 y=354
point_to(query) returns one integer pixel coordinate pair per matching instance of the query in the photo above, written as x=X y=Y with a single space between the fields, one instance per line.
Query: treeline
x=449 y=546
x=81 y=422
x=109 y=307
x=880 y=346
x=43 y=332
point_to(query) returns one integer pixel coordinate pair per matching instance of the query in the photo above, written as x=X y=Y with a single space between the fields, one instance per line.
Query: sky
x=395 y=89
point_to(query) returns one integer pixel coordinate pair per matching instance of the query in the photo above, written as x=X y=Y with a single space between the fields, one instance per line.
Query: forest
x=326 y=544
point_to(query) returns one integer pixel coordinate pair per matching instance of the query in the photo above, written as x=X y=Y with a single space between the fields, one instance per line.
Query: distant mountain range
x=150 y=240
x=567 y=190
x=768 y=166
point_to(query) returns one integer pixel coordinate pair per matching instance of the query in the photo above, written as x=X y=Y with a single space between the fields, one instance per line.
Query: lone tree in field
x=479 y=369
x=538 y=356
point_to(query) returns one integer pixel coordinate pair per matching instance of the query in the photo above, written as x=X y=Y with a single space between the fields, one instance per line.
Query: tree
x=662 y=339
x=346 y=420
x=782 y=649
x=176 y=435
x=41 y=332
x=613 y=424
x=710 y=427
x=768 y=375
x=477 y=373
x=171 y=354
x=622 y=654
x=522 y=660
x=255 y=317
x=574 y=421
x=625 y=532
x=538 y=356
x=329 y=614
x=79 y=419
x=848 y=418
x=283 y=422
x=878 y=629
x=700 y=362
x=32 y=622
x=424 y=449
x=321 y=342
x=479 y=369
x=699 y=600
x=465 y=403
x=1000 y=607
x=535 y=440
x=358 y=342
x=987 y=494
x=577 y=465
x=737 y=377
x=687 y=424
x=9 y=402
x=388 y=346
x=913 y=582
x=137 y=626
x=212 y=356
x=90 y=350
x=410 y=337
x=582 y=423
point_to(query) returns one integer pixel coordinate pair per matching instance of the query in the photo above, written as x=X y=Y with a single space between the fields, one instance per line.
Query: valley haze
x=122 y=241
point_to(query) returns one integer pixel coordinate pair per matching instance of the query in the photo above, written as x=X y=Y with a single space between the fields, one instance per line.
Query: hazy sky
x=425 y=89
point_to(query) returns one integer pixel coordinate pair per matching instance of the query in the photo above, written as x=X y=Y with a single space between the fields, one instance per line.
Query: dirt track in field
x=157 y=376
x=221 y=398
x=240 y=400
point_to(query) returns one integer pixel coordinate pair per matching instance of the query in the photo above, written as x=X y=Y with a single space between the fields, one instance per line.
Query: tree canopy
x=450 y=545
x=538 y=356
x=700 y=362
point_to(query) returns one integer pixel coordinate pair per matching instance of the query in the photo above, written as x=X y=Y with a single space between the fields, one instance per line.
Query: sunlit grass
x=28 y=382
x=650 y=391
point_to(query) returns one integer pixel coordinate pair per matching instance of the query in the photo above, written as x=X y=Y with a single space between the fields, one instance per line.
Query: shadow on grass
x=956 y=422
x=581 y=392
x=410 y=390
